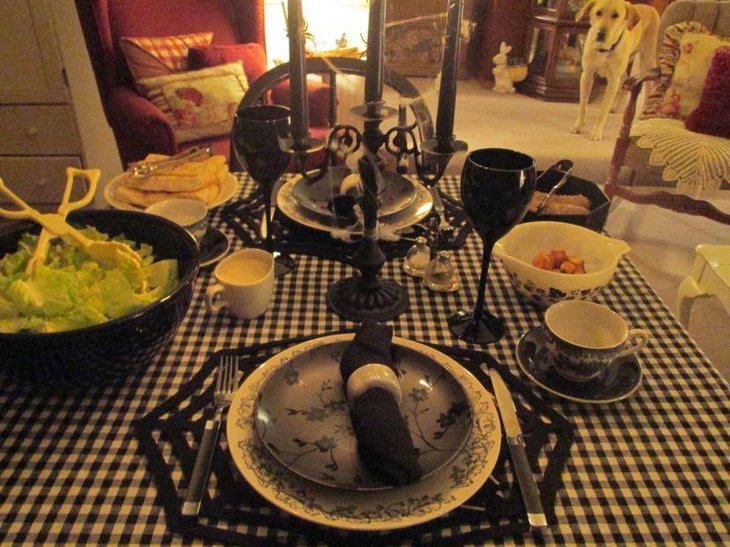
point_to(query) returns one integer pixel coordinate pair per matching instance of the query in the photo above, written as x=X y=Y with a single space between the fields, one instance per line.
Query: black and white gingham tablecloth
x=654 y=468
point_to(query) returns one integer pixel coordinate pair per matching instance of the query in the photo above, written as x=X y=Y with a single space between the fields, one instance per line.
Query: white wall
x=99 y=147
x=327 y=20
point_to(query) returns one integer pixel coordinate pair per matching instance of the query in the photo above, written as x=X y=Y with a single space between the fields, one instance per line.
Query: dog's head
x=609 y=18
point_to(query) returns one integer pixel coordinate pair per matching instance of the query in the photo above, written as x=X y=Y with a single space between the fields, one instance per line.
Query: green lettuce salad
x=71 y=291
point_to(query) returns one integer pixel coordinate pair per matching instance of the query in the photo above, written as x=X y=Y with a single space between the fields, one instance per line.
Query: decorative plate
x=229 y=188
x=399 y=193
x=388 y=509
x=416 y=212
x=303 y=416
x=533 y=359
x=213 y=247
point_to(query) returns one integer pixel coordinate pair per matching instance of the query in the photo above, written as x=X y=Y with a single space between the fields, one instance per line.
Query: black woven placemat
x=244 y=216
x=235 y=513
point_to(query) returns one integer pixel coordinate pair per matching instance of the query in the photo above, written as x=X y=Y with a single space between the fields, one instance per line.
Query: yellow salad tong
x=110 y=253
x=45 y=237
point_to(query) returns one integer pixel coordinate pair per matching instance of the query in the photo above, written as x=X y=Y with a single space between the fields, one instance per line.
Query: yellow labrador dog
x=619 y=30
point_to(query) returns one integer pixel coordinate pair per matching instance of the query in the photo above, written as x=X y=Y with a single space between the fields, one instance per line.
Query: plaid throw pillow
x=668 y=57
x=148 y=57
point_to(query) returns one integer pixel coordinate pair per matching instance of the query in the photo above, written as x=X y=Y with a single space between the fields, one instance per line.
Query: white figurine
x=502 y=80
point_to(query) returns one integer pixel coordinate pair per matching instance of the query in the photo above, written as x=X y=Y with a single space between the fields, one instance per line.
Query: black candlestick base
x=348 y=299
x=488 y=330
x=283 y=264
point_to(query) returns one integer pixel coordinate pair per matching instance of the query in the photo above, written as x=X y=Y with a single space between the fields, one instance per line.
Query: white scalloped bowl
x=544 y=288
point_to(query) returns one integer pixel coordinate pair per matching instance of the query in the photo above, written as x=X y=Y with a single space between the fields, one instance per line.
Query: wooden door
x=30 y=69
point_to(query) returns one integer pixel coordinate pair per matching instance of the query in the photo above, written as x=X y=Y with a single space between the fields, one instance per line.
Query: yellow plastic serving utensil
x=45 y=237
x=111 y=253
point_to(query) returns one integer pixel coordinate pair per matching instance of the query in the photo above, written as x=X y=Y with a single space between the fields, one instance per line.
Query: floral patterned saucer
x=303 y=416
x=384 y=509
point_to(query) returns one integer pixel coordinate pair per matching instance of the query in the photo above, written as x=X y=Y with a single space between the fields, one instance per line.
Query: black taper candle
x=374 y=66
x=297 y=74
x=447 y=90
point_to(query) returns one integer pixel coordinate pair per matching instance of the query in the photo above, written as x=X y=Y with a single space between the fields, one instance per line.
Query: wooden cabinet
x=499 y=21
x=39 y=135
x=50 y=112
x=414 y=36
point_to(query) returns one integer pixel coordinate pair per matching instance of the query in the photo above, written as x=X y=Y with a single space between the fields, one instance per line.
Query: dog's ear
x=584 y=10
x=632 y=16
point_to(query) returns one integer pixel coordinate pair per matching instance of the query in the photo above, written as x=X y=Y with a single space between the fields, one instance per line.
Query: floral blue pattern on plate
x=387 y=509
x=303 y=416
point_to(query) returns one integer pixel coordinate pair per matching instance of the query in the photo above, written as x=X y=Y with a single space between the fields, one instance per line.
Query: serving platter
x=413 y=214
x=229 y=188
x=387 y=509
x=399 y=192
x=303 y=416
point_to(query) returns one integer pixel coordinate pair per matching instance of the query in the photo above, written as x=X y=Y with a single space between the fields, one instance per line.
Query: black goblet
x=496 y=188
x=257 y=136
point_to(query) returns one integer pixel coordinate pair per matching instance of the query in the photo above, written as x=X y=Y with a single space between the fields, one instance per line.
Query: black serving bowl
x=599 y=203
x=101 y=353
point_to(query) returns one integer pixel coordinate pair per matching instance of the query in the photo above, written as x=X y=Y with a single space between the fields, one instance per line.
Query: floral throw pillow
x=683 y=94
x=667 y=60
x=200 y=103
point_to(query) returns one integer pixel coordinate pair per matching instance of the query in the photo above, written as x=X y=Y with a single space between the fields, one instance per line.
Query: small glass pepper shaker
x=417 y=258
x=441 y=274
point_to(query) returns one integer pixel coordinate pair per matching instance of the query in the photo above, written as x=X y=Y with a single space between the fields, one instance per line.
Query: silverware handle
x=201 y=470
x=526 y=480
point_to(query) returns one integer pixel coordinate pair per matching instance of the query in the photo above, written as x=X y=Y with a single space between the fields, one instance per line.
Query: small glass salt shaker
x=441 y=274
x=417 y=258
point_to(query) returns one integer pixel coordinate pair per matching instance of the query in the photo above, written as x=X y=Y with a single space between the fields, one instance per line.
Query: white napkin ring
x=370 y=376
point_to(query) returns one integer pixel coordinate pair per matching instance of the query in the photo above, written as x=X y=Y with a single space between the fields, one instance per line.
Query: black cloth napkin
x=383 y=440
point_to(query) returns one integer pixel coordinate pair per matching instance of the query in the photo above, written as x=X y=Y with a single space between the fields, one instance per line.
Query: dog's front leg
x=609 y=95
x=586 y=84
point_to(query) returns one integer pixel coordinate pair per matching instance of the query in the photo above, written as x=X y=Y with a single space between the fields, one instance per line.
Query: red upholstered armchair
x=139 y=126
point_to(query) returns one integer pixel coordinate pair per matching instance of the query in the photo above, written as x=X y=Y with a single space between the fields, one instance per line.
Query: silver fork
x=225 y=385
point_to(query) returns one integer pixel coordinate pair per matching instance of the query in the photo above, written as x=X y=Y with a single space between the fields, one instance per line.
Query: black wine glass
x=257 y=135
x=496 y=188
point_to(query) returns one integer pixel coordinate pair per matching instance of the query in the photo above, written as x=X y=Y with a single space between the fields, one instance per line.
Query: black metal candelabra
x=367 y=295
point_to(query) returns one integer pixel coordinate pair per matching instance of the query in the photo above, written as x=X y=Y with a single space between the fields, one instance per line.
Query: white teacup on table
x=191 y=214
x=244 y=284
x=584 y=339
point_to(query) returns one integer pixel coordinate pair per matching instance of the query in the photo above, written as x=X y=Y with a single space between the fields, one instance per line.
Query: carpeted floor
x=662 y=241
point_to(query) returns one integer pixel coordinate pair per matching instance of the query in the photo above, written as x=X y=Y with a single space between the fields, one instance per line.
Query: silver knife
x=516 y=444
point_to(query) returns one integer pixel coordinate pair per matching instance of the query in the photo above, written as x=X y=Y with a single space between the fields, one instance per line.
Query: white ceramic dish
x=229 y=188
x=373 y=510
x=543 y=287
x=303 y=416
x=413 y=214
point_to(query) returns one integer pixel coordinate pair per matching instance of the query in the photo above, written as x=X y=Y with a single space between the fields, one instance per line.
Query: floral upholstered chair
x=681 y=139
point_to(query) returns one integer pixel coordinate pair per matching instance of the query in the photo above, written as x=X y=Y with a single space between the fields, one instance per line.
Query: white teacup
x=191 y=214
x=245 y=284
x=585 y=338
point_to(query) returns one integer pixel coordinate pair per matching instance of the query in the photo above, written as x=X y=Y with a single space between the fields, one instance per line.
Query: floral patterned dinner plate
x=383 y=509
x=303 y=416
